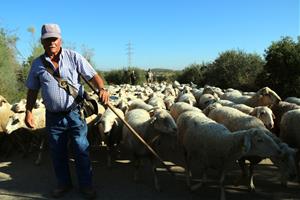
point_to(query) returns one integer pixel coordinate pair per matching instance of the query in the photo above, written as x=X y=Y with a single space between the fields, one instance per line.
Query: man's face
x=52 y=45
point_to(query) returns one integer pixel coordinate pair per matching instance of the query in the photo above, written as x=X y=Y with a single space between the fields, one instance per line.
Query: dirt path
x=21 y=179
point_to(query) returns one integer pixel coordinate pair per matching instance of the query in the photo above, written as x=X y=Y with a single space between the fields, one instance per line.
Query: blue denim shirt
x=70 y=63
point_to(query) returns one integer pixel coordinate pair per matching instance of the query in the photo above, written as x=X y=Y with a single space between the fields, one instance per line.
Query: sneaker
x=61 y=191
x=88 y=192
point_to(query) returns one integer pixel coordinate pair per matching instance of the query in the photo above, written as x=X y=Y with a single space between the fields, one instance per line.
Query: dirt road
x=21 y=179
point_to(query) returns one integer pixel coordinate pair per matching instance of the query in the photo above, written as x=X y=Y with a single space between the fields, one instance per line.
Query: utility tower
x=129 y=53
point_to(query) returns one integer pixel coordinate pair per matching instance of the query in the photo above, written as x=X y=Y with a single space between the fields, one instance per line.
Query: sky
x=170 y=34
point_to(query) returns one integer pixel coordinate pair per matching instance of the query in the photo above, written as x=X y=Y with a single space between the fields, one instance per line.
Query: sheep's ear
x=247 y=143
x=116 y=122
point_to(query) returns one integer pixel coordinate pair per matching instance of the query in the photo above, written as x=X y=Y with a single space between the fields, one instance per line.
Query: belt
x=73 y=107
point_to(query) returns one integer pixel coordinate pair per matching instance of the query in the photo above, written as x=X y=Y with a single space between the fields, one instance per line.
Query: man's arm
x=99 y=84
x=31 y=99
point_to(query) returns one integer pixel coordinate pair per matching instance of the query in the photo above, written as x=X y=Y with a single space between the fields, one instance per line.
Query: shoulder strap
x=69 y=88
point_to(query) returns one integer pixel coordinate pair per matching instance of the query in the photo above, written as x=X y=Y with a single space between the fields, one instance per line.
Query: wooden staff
x=132 y=130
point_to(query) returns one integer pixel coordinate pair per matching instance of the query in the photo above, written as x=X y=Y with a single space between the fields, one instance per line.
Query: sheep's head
x=267 y=97
x=163 y=122
x=286 y=162
x=265 y=114
x=261 y=144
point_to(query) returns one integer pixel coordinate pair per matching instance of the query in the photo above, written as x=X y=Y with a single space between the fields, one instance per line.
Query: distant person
x=149 y=76
x=63 y=119
x=132 y=77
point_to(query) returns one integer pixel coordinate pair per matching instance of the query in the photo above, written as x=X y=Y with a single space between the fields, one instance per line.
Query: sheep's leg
x=251 y=183
x=202 y=182
x=283 y=179
x=244 y=174
x=108 y=150
x=136 y=163
x=41 y=148
x=188 y=173
x=154 y=171
x=222 y=185
x=297 y=165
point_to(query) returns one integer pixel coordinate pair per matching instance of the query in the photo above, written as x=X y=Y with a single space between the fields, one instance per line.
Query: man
x=63 y=119
x=132 y=77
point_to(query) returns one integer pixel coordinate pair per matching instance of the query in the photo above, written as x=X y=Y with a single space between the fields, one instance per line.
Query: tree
x=22 y=73
x=282 y=68
x=193 y=73
x=235 y=69
x=8 y=65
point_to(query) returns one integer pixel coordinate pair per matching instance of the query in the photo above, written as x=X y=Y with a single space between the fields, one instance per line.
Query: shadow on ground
x=20 y=178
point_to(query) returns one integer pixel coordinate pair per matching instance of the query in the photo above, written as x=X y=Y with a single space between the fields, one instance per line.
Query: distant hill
x=162 y=70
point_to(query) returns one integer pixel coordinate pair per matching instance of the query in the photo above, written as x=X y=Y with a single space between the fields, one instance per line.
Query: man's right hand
x=29 y=121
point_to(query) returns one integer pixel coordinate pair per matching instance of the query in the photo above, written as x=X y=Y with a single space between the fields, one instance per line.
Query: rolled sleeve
x=84 y=67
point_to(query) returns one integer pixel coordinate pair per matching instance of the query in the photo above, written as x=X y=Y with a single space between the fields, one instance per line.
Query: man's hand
x=104 y=96
x=29 y=121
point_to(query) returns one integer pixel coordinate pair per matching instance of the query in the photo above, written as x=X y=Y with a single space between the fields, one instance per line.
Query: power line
x=129 y=53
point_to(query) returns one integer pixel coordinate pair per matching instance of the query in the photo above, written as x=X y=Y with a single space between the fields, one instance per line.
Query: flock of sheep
x=215 y=128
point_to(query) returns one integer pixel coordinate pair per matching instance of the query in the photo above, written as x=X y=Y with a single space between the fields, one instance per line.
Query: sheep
x=182 y=122
x=264 y=113
x=2 y=100
x=179 y=107
x=215 y=91
x=263 y=97
x=188 y=98
x=5 y=113
x=205 y=100
x=289 y=132
x=138 y=103
x=278 y=110
x=20 y=106
x=214 y=146
x=169 y=101
x=151 y=126
x=236 y=120
x=110 y=128
x=294 y=100
x=17 y=121
x=157 y=101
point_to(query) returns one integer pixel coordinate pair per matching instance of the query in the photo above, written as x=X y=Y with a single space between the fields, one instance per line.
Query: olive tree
x=282 y=68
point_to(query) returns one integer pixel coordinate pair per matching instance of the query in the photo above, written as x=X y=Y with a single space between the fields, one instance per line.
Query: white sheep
x=188 y=98
x=278 y=110
x=138 y=103
x=110 y=128
x=205 y=100
x=264 y=113
x=236 y=120
x=157 y=101
x=289 y=132
x=263 y=97
x=179 y=107
x=295 y=100
x=5 y=113
x=151 y=126
x=214 y=146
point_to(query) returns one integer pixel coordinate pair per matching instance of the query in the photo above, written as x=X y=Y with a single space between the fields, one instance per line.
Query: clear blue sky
x=163 y=33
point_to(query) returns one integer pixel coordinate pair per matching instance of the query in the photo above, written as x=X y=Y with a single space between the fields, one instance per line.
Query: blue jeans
x=61 y=127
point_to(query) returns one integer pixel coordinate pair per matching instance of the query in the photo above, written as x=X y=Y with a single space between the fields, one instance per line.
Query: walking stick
x=132 y=130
